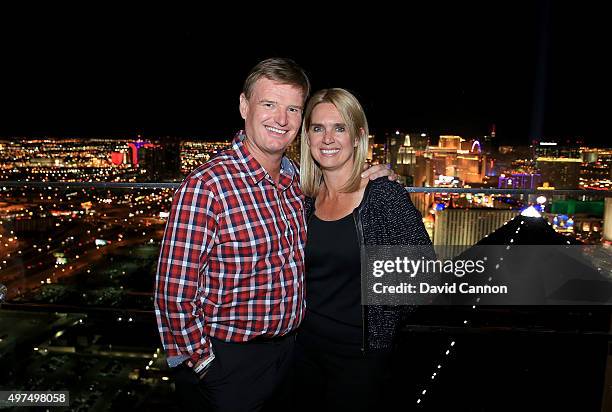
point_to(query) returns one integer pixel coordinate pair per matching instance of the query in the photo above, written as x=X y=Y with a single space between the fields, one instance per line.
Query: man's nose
x=280 y=117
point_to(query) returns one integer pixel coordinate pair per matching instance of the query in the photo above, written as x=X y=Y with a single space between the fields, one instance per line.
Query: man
x=230 y=279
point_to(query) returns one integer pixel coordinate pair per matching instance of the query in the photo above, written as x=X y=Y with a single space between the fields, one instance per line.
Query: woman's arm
x=404 y=222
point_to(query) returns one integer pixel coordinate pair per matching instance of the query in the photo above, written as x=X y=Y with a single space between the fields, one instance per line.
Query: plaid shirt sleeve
x=187 y=242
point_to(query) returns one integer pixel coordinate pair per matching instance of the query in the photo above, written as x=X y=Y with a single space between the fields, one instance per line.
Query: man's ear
x=244 y=106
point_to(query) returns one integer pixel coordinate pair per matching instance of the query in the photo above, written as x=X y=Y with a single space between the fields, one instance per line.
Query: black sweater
x=387 y=217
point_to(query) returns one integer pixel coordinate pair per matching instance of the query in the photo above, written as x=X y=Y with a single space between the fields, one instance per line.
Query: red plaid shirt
x=232 y=258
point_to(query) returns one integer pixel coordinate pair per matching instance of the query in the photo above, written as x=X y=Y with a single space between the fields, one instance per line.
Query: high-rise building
x=555 y=149
x=471 y=167
x=461 y=228
x=560 y=172
x=422 y=202
x=489 y=141
x=453 y=157
x=424 y=172
x=135 y=149
x=607 y=221
x=401 y=154
x=450 y=142
x=161 y=161
x=596 y=169
x=520 y=181
x=378 y=153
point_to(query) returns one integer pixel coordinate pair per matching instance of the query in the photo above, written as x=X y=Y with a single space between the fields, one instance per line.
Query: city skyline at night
x=489 y=115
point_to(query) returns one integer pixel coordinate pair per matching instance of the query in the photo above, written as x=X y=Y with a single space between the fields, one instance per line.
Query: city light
x=95 y=248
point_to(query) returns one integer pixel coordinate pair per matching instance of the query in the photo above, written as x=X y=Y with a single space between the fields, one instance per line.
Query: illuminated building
x=406 y=154
x=117 y=158
x=558 y=164
x=471 y=168
x=422 y=202
x=572 y=207
x=429 y=223
x=560 y=172
x=580 y=218
x=401 y=152
x=520 y=181
x=453 y=157
x=596 y=171
x=450 y=142
x=590 y=155
x=607 y=228
x=160 y=161
x=401 y=155
x=135 y=147
x=378 y=153
x=489 y=142
x=461 y=228
x=369 y=156
x=424 y=173
x=554 y=149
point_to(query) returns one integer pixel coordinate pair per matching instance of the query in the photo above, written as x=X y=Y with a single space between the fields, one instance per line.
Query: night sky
x=535 y=69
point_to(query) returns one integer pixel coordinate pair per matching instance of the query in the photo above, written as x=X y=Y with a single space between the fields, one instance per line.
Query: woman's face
x=331 y=145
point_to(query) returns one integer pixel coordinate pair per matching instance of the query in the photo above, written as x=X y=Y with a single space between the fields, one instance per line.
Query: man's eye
x=268 y=105
x=294 y=110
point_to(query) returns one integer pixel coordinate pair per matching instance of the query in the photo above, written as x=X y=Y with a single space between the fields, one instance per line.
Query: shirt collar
x=255 y=170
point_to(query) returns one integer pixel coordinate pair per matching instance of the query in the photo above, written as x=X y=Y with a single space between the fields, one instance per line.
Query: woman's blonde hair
x=353 y=115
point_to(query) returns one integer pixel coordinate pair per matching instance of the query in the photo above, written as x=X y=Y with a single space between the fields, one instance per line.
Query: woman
x=343 y=348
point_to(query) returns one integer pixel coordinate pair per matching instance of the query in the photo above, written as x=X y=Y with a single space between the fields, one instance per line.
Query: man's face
x=272 y=116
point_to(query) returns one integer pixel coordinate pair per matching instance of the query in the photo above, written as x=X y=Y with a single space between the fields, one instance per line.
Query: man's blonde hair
x=278 y=69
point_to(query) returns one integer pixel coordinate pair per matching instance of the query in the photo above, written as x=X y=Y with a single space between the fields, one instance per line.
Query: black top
x=333 y=283
x=387 y=217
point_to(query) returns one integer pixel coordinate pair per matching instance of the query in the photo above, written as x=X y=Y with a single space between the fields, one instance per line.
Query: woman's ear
x=361 y=136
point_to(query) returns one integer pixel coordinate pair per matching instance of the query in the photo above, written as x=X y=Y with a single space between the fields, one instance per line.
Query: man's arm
x=376 y=171
x=187 y=242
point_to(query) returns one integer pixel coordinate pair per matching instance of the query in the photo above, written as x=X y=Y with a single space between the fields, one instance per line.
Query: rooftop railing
x=410 y=189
